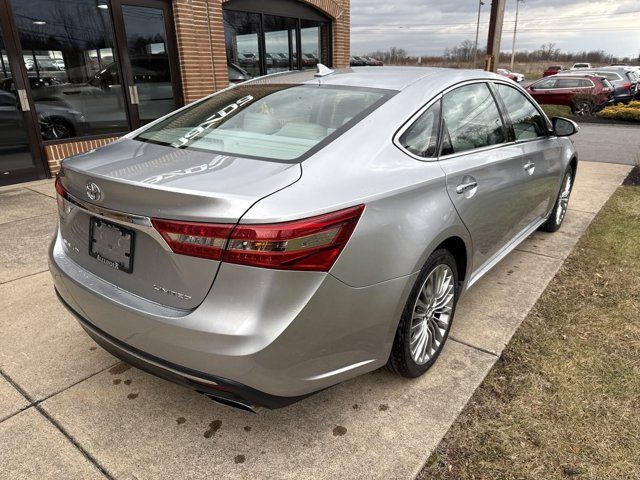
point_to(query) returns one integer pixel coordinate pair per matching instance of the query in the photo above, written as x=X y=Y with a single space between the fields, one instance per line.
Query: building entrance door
x=19 y=160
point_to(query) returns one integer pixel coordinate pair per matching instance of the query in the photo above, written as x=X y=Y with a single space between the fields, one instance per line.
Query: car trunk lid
x=127 y=183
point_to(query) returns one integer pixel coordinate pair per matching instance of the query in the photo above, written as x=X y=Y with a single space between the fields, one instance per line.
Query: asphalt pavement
x=608 y=143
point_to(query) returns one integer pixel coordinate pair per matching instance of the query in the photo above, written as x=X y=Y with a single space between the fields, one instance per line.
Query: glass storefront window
x=241 y=32
x=68 y=52
x=261 y=43
x=149 y=59
x=314 y=43
x=280 y=43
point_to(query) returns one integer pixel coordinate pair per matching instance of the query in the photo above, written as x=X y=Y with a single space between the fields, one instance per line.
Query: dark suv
x=584 y=94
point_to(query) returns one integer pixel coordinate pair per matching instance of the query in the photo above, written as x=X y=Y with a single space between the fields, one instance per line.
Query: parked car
x=584 y=94
x=374 y=62
x=516 y=77
x=553 y=69
x=237 y=74
x=625 y=83
x=326 y=228
x=309 y=60
x=55 y=122
x=580 y=65
x=356 y=62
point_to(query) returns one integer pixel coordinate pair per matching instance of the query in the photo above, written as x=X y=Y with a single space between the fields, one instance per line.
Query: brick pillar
x=200 y=38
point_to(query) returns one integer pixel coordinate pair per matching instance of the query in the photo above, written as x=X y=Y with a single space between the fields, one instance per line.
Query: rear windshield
x=267 y=121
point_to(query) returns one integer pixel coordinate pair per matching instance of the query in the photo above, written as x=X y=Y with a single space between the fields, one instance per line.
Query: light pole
x=475 y=50
x=515 y=28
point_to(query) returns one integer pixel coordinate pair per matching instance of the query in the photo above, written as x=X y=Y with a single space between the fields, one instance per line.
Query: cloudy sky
x=424 y=27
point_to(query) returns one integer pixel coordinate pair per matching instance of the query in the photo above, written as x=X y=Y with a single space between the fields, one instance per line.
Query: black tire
x=582 y=108
x=554 y=222
x=400 y=360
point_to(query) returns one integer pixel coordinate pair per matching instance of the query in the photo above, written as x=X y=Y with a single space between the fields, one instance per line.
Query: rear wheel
x=426 y=319
x=582 y=108
x=559 y=211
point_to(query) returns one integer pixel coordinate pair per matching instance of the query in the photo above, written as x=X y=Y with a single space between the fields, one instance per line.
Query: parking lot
x=68 y=409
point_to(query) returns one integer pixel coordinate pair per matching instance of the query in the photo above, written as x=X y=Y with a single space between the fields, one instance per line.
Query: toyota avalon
x=296 y=230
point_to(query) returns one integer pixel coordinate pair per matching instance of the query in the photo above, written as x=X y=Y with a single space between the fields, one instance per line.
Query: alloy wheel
x=563 y=200
x=432 y=314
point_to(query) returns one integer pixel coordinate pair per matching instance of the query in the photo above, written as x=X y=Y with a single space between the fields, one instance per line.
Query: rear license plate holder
x=111 y=244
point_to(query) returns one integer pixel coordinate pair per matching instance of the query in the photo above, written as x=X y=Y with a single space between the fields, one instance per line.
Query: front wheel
x=582 y=108
x=426 y=319
x=559 y=211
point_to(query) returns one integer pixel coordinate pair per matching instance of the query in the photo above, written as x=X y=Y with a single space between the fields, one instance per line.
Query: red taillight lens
x=626 y=86
x=61 y=194
x=205 y=240
x=309 y=244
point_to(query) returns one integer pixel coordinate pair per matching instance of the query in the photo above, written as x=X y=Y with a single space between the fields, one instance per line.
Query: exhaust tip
x=231 y=403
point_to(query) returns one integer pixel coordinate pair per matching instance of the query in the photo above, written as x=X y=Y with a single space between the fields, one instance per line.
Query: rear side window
x=584 y=83
x=267 y=121
x=568 y=83
x=421 y=138
x=546 y=83
x=527 y=121
x=472 y=119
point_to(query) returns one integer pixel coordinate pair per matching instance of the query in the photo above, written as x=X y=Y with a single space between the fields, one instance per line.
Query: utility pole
x=475 y=49
x=495 y=35
x=515 y=29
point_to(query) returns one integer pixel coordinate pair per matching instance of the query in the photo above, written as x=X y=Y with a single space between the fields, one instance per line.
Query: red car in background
x=553 y=69
x=584 y=94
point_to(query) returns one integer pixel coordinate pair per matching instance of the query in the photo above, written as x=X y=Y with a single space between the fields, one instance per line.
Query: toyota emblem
x=93 y=192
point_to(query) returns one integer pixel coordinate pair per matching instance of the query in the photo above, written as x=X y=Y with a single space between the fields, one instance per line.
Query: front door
x=147 y=49
x=19 y=162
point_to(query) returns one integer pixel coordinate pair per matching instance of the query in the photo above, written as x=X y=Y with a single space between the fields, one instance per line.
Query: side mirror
x=563 y=127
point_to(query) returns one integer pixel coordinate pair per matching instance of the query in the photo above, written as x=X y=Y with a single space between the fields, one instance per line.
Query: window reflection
x=241 y=40
x=68 y=54
x=147 y=47
x=280 y=43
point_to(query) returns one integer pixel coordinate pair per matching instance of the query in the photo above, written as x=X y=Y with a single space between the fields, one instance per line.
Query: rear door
x=541 y=154
x=484 y=170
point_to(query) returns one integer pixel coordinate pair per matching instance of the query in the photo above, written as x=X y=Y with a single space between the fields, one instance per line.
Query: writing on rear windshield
x=211 y=121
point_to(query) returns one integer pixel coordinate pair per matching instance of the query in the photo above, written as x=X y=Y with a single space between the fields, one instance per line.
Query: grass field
x=563 y=401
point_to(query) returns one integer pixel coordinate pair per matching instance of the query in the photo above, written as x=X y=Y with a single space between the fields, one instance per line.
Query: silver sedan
x=297 y=230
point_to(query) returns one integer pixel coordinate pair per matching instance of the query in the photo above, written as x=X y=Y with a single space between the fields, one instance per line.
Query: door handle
x=24 y=101
x=530 y=167
x=133 y=94
x=466 y=186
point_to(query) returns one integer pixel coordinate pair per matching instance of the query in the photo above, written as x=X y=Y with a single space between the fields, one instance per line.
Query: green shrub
x=630 y=113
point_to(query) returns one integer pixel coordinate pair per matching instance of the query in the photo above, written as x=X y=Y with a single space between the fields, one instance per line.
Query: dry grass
x=564 y=399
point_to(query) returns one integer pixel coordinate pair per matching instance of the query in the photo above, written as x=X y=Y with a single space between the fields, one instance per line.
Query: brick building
x=77 y=74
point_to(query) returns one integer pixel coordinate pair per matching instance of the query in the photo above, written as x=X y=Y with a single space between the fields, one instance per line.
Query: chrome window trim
x=534 y=104
x=409 y=123
x=138 y=222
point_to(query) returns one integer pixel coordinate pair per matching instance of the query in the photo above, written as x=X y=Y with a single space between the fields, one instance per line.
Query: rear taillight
x=61 y=194
x=310 y=244
x=626 y=86
x=205 y=240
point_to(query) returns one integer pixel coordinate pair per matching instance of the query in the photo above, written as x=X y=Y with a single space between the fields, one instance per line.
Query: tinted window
x=65 y=47
x=279 y=122
x=526 y=119
x=472 y=118
x=546 y=83
x=584 y=83
x=568 y=83
x=421 y=138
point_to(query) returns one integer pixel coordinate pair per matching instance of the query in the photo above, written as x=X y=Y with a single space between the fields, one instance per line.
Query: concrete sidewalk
x=68 y=409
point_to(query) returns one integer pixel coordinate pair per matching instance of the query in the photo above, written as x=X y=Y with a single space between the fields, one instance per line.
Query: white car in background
x=516 y=77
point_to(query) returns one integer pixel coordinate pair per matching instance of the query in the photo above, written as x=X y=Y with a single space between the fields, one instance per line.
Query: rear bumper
x=271 y=337
x=199 y=381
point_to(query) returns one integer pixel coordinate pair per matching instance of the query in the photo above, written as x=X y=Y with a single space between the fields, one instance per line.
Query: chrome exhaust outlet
x=231 y=403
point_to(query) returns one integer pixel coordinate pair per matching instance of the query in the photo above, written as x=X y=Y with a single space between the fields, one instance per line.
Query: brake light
x=61 y=194
x=309 y=244
x=204 y=240
x=626 y=86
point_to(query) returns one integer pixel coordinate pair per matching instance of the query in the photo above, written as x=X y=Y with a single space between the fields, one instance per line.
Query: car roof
x=389 y=78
